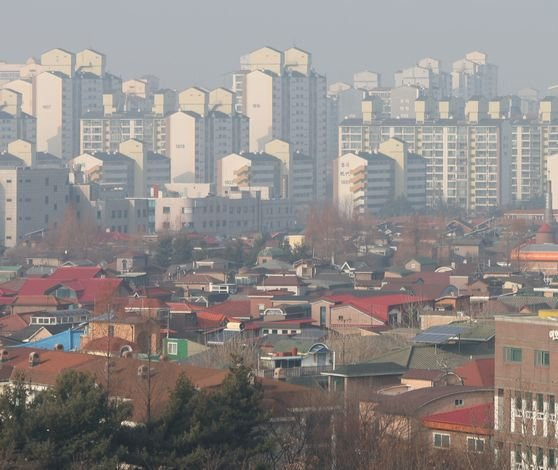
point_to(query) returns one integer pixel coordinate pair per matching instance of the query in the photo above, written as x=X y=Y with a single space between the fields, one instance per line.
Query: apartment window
x=172 y=348
x=458 y=402
x=512 y=354
x=540 y=457
x=518 y=455
x=551 y=404
x=166 y=210
x=551 y=458
x=540 y=402
x=441 y=441
x=542 y=358
x=518 y=401
x=475 y=444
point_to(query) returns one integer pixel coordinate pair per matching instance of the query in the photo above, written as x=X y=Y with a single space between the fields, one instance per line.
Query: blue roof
x=69 y=339
x=440 y=334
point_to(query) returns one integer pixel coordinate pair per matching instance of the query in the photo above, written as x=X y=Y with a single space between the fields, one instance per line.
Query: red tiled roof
x=6 y=300
x=76 y=272
x=181 y=307
x=38 y=286
x=41 y=301
x=377 y=306
x=12 y=323
x=210 y=320
x=99 y=289
x=477 y=372
x=234 y=308
x=476 y=419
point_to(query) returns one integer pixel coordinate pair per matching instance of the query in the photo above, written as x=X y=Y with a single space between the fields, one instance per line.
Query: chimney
x=143 y=371
x=4 y=355
x=548 y=215
x=33 y=359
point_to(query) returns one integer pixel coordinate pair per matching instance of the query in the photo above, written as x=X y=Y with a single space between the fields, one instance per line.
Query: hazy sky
x=197 y=42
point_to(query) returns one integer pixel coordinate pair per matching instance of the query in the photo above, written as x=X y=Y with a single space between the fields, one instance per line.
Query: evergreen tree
x=164 y=251
x=73 y=424
x=181 y=250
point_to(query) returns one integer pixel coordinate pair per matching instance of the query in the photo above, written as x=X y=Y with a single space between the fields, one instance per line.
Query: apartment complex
x=132 y=170
x=363 y=183
x=427 y=75
x=285 y=98
x=468 y=160
x=474 y=76
x=204 y=129
x=525 y=424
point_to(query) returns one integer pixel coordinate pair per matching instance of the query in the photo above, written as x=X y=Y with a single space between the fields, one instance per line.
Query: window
x=322 y=316
x=111 y=330
x=540 y=402
x=551 y=458
x=475 y=444
x=518 y=401
x=166 y=210
x=172 y=348
x=512 y=354
x=518 y=456
x=441 y=441
x=540 y=457
x=284 y=332
x=458 y=402
x=542 y=358
x=551 y=404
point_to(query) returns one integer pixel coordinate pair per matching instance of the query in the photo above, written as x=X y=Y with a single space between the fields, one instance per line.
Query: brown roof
x=410 y=403
x=477 y=372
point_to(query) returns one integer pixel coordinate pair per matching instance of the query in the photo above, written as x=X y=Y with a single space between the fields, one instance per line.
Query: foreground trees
x=75 y=425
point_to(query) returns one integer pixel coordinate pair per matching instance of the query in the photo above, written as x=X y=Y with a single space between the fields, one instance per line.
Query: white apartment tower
x=205 y=129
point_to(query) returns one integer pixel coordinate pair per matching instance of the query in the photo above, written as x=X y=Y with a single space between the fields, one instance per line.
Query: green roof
x=367 y=369
x=438 y=357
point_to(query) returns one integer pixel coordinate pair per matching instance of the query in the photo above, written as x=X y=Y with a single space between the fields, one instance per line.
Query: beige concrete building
x=60 y=61
x=14 y=122
x=297 y=172
x=54 y=110
x=247 y=170
x=91 y=61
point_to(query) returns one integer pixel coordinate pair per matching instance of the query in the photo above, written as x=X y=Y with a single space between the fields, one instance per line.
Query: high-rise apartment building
x=428 y=76
x=14 y=122
x=205 y=129
x=285 y=98
x=468 y=158
x=34 y=199
x=474 y=76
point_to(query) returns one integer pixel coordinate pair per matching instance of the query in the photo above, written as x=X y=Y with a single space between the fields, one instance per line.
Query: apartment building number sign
x=553 y=335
